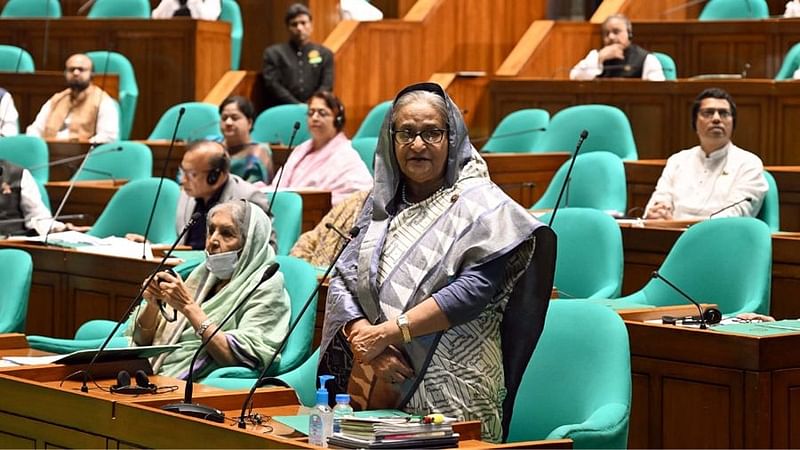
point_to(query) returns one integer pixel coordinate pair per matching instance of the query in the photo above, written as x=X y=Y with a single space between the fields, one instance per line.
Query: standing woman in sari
x=415 y=313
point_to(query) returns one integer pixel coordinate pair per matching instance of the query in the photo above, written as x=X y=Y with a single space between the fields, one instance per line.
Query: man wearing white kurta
x=715 y=178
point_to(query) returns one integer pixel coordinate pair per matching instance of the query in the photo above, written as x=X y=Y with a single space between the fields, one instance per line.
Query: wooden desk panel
x=174 y=60
x=660 y=113
x=524 y=176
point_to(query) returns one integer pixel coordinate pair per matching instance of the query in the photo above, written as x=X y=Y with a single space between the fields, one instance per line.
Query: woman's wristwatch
x=203 y=327
x=405 y=331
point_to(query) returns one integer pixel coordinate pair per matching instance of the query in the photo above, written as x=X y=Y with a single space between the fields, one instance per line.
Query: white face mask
x=222 y=265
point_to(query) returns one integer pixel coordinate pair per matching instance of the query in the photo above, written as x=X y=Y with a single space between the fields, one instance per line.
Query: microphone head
x=654 y=274
x=195 y=217
x=271 y=270
x=584 y=134
x=118 y=149
x=354 y=232
x=182 y=111
x=296 y=126
x=328 y=225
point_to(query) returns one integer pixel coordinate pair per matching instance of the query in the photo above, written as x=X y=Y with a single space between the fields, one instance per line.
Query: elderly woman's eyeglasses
x=429 y=136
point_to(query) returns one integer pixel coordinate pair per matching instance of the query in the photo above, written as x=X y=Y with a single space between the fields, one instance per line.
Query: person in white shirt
x=196 y=9
x=619 y=57
x=360 y=10
x=21 y=205
x=83 y=111
x=715 y=178
x=792 y=9
x=8 y=115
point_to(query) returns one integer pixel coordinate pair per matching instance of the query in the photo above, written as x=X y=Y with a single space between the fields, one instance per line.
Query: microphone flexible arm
x=241 y=422
x=70 y=159
x=295 y=127
x=84 y=387
x=655 y=274
x=584 y=135
x=746 y=199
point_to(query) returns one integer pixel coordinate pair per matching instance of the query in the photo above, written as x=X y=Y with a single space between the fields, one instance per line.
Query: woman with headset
x=328 y=160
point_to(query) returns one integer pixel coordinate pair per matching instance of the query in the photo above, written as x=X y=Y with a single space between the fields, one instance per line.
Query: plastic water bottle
x=320 y=422
x=342 y=409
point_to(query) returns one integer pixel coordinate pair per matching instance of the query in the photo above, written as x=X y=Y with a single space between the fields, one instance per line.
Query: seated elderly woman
x=237 y=255
x=328 y=160
x=414 y=315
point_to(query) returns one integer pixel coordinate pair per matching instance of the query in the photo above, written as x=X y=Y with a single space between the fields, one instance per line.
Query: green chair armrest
x=607 y=427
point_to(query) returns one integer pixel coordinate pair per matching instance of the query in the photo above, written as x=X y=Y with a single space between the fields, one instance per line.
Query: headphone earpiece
x=219 y=164
x=213 y=176
x=712 y=316
x=338 y=121
x=143 y=385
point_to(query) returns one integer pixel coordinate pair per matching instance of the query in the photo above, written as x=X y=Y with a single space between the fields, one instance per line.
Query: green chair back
x=199 y=121
x=735 y=9
x=518 y=132
x=597 y=181
x=116 y=63
x=16 y=281
x=727 y=261
x=589 y=258
x=770 y=207
x=287 y=219
x=609 y=130
x=371 y=125
x=791 y=62
x=31 y=8
x=29 y=152
x=232 y=14
x=668 y=65
x=578 y=383
x=133 y=162
x=365 y=147
x=129 y=210
x=249 y=169
x=275 y=125
x=110 y=9
x=16 y=59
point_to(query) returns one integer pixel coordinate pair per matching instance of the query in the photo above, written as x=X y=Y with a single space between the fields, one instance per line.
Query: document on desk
x=117 y=246
x=84 y=356
x=72 y=239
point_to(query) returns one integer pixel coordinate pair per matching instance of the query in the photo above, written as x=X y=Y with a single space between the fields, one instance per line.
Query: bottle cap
x=342 y=398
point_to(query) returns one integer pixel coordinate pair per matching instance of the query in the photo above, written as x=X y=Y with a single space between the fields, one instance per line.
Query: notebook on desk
x=85 y=356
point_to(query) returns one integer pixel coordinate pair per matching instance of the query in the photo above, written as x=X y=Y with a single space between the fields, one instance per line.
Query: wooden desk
x=175 y=60
x=642 y=176
x=87 y=197
x=646 y=248
x=32 y=90
x=704 y=389
x=660 y=113
x=524 y=176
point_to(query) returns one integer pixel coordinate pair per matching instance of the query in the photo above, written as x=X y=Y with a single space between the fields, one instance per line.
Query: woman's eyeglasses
x=429 y=136
x=323 y=113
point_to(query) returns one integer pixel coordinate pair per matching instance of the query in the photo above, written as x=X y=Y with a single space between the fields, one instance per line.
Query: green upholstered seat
x=116 y=63
x=16 y=59
x=18 y=9
x=597 y=181
x=129 y=209
x=578 y=383
x=199 y=121
x=133 y=162
x=770 y=207
x=232 y=14
x=518 y=132
x=609 y=130
x=287 y=219
x=791 y=62
x=668 y=65
x=29 y=152
x=16 y=281
x=371 y=125
x=275 y=125
x=110 y=9
x=726 y=261
x=734 y=9
x=589 y=258
x=365 y=146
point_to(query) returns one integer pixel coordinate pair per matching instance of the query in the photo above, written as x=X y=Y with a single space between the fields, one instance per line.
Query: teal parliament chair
x=770 y=207
x=791 y=62
x=608 y=126
x=371 y=125
x=31 y=153
x=16 y=59
x=93 y=333
x=133 y=162
x=16 y=281
x=232 y=14
x=300 y=279
x=129 y=209
x=287 y=219
x=111 y=9
x=19 y=9
x=518 y=132
x=116 y=63
x=578 y=383
x=597 y=181
x=275 y=125
x=199 y=121
x=734 y=9
x=726 y=261
x=668 y=65
x=365 y=147
x=589 y=253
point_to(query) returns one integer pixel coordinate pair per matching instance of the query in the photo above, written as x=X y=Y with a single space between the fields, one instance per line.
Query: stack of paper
x=365 y=432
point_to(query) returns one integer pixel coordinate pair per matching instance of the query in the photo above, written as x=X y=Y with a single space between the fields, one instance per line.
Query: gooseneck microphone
x=70 y=159
x=66 y=216
x=134 y=302
x=188 y=408
x=295 y=127
x=241 y=422
x=746 y=199
x=181 y=112
x=584 y=135
x=710 y=315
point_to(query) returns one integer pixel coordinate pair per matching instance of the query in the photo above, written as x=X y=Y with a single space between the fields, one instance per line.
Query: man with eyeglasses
x=81 y=112
x=715 y=178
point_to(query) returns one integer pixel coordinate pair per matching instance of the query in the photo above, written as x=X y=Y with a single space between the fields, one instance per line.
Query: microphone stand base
x=196 y=410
